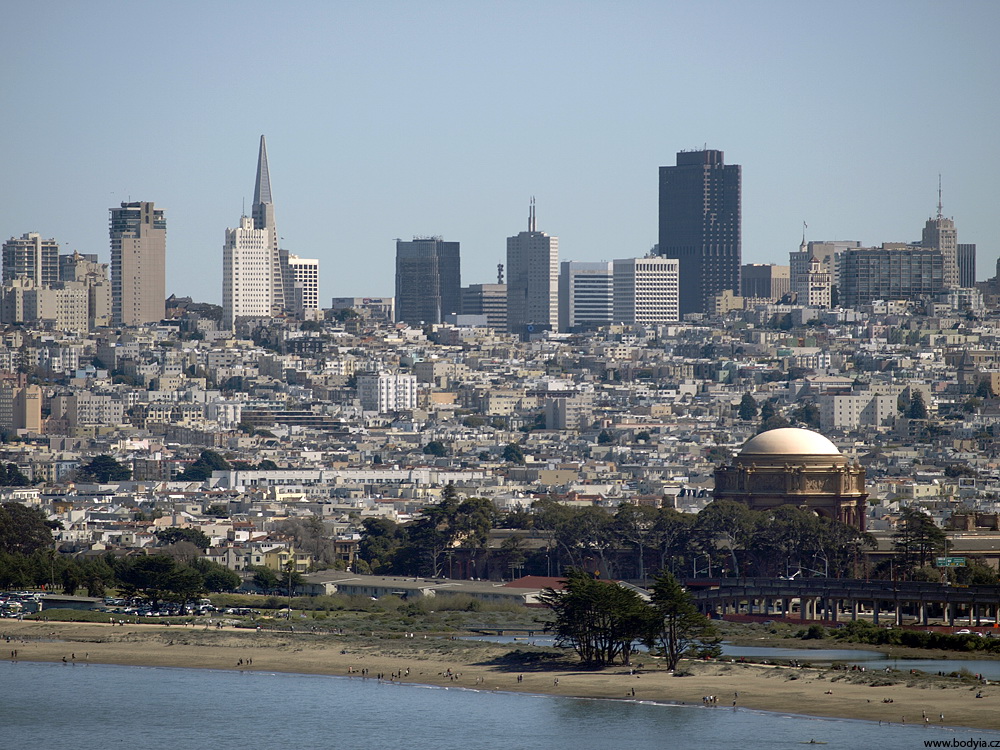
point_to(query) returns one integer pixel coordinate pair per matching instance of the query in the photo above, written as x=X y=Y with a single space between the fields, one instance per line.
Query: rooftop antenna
x=804 y=228
x=531 y=215
x=939 y=197
x=499 y=273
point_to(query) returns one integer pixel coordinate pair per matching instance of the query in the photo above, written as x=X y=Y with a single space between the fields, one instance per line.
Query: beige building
x=21 y=408
x=792 y=466
x=138 y=264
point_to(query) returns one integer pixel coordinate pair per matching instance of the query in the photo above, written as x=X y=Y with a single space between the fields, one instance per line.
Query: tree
x=807 y=414
x=202 y=469
x=148 y=577
x=265 y=579
x=597 y=619
x=12 y=476
x=23 y=530
x=680 y=629
x=217 y=577
x=513 y=454
x=917 y=538
x=605 y=438
x=917 y=408
x=725 y=526
x=985 y=390
x=436 y=448
x=773 y=423
x=197 y=537
x=748 y=407
x=104 y=469
x=381 y=539
x=767 y=410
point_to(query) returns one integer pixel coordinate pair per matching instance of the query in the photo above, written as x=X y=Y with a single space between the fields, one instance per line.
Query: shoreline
x=489 y=667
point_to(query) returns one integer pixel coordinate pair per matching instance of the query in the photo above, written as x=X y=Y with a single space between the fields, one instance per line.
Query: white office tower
x=532 y=280
x=646 y=290
x=247 y=291
x=586 y=295
x=385 y=392
x=301 y=283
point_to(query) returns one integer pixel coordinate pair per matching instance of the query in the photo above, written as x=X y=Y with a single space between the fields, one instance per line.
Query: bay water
x=85 y=706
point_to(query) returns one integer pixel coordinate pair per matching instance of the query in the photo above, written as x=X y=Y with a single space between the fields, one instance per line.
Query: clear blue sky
x=394 y=119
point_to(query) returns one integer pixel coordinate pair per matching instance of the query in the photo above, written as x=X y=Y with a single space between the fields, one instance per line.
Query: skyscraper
x=586 y=294
x=894 y=271
x=263 y=218
x=700 y=215
x=489 y=300
x=33 y=257
x=428 y=280
x=532 y=280
x=646 y=290
x=966 y=265
x=940 y=234
x=138 y=264
x=247 y=288
x=301 y=283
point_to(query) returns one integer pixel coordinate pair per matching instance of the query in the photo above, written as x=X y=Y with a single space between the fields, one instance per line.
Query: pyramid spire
x=262 y=188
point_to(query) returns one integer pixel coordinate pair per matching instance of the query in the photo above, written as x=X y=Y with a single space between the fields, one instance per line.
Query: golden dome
x=789 y=441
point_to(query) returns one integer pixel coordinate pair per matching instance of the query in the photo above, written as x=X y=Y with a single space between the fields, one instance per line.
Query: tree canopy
x=599 y=620
x=679 y=629
x=197 y=537
x=23 y=530
x=104 y=469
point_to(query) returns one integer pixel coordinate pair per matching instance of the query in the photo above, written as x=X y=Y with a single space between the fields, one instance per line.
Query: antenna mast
x=939 y=215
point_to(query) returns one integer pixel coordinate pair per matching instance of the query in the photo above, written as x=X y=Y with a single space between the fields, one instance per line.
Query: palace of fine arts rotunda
x=793 y=466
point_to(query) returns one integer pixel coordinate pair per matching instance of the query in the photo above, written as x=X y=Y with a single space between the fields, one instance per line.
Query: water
x=86 y=706
x=988 y=668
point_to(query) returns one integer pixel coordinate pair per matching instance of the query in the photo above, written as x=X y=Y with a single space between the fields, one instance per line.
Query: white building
x=385 y=392
x=854 y=410
x=246 y=273
x=586 y=294
x=532 y=280
x=302 y=284
x=812 y=283
x=646 y=290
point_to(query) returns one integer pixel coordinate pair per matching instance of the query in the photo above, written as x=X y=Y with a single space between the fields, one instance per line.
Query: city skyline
x=394 y=137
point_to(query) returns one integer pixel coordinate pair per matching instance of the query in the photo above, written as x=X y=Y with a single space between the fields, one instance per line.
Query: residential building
x=138 y=264
x=428 y=280
x=85 y=269
x=646 y=290
x=700 y=225
x=32 y=257
x=374 y=308
x=586 y=294
x=894 y=271
x=532 y=280
x=385 y=392
x=301 y=284
x=489 y=300
x=855 y=410
x=21 y=408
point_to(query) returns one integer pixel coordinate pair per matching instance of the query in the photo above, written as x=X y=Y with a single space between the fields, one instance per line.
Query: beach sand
x=479 y=665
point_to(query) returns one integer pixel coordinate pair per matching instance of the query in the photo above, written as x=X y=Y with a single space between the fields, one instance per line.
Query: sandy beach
x=441 y=661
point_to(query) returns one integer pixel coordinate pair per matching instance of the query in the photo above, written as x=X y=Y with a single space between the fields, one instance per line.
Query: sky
x=389 y=119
